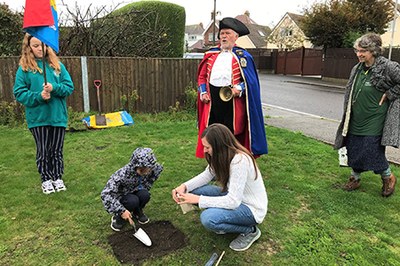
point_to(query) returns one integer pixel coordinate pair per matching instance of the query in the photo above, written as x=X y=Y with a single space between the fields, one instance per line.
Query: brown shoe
x=388 y=185
x=352 y=184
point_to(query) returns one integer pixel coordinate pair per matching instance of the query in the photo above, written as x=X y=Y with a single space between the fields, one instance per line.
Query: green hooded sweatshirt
x=28 y=88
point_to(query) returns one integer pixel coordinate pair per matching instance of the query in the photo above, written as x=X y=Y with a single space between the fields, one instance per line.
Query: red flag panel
x=37 y=13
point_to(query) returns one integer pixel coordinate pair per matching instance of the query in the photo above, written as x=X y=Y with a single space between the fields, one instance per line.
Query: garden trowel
x=140 y=234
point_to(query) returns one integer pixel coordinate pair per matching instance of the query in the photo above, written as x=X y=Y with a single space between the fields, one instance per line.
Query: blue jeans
x=222 y=221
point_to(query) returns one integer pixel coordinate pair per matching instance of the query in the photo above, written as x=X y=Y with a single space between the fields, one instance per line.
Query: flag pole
x=44 y=64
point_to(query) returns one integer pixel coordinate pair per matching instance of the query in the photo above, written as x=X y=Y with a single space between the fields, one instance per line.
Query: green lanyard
x=361 y=75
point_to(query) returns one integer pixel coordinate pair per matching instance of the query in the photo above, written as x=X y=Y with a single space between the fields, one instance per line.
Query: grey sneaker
x=47 y=187
x=243 y=242
x=117 y=223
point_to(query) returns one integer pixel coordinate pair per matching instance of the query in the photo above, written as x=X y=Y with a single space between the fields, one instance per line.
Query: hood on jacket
x=143 y=157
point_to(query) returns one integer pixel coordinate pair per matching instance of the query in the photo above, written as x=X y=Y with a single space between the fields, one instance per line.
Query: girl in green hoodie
x=45 y=108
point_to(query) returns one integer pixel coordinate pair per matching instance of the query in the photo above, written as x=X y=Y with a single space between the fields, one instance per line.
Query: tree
x=334 y=23
x=145 y=29
x=11 y=31
x=370 y=15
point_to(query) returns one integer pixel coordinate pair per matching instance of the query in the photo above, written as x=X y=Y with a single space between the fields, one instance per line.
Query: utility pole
x=215 y=4
x=393 y=29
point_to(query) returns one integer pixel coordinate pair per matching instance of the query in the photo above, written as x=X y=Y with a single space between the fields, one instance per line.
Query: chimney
x=247 y=13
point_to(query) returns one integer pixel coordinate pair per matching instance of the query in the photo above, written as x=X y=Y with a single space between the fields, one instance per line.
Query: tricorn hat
x=234 y=24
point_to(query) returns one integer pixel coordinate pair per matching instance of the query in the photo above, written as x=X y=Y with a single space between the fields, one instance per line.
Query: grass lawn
x=310 y=220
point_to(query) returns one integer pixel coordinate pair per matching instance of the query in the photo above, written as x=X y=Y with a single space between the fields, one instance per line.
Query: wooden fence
x=302 y=61
x=137 y=84
x=338 y=62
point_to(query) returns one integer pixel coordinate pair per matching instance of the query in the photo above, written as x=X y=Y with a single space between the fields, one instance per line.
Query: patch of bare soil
x=164 y=236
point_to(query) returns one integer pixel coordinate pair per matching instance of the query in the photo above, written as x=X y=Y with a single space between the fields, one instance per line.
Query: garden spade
x=140 y=234
x=100 y=119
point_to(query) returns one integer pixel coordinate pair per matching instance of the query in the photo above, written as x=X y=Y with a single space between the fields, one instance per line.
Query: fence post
x=303 y=51
x=85 y=84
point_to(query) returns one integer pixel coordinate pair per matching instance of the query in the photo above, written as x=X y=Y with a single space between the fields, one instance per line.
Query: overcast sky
x=261 y=11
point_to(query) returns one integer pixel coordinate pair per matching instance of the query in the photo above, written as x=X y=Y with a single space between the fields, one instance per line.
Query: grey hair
x=371 y=42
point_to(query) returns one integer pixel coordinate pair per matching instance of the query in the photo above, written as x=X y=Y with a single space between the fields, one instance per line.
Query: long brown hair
x=224 y=147
x=28 y=60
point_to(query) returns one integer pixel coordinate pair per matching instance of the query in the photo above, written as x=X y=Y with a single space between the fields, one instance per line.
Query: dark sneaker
x=244 y=241
x=141 y=217
x=388 y=185
x=352 y=184
x=117 y=223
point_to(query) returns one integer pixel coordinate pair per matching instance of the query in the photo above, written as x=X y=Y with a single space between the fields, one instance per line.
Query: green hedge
x=156 y=29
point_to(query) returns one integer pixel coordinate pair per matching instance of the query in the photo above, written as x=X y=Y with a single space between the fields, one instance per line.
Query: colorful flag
x=41 y=21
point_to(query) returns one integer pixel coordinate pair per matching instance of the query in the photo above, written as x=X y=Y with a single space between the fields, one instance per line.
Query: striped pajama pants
x=49 y=151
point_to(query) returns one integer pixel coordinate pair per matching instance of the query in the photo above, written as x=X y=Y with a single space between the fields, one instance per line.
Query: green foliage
x=128 y=101
x=190 y=101
x=326 y=24
x=350 y=38
x=145 y=29
x=12 y=114
x=370 y=15
x=11 y=31
x=332 y=24
x=75 y=120
x=171 y=17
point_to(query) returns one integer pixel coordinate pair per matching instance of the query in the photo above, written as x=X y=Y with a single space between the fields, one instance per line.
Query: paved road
x=305 y=120
x=287 y=92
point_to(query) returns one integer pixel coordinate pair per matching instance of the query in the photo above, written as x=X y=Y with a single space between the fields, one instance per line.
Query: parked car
x=194 y=55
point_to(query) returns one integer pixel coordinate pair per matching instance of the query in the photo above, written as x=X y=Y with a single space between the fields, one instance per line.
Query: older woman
x=371 y=118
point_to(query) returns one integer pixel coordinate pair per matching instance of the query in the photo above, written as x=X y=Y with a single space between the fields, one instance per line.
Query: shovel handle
x=131 y=222
x=97 y=83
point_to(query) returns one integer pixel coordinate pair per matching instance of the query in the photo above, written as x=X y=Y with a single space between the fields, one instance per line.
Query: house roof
x=194 y=29
x=294 y=17
x=258 y=33
x=245 y=18
x=197 y=45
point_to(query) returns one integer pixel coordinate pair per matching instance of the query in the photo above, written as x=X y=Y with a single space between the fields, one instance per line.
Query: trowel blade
x=143 y=237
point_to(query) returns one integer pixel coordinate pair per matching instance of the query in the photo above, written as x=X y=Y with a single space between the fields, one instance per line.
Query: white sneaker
x=59 y=185
x=47 y=187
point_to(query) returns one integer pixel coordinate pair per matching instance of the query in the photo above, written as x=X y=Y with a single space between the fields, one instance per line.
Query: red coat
x=240 y=125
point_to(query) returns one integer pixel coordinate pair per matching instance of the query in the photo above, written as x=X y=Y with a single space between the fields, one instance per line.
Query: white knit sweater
x=242 y=188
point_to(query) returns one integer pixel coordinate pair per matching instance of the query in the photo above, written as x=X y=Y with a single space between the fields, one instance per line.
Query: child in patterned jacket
x=128 y=190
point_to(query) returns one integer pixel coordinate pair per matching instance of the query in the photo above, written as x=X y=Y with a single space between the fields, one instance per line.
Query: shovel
x=100 y=119
x=140 y=234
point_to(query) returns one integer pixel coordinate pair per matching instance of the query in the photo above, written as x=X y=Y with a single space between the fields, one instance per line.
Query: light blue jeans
x=222 y=221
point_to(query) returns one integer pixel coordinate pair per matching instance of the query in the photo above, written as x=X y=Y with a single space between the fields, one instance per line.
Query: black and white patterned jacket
x=126 y=180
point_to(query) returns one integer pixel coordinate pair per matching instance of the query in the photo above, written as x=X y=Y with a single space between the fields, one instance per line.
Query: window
x=210 y=37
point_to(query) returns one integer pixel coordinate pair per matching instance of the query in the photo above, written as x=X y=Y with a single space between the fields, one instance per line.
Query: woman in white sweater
x=239 y=202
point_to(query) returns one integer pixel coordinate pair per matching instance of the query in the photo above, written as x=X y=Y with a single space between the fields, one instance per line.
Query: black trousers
x=221 y=112
x=49 y=151
x=136 y=201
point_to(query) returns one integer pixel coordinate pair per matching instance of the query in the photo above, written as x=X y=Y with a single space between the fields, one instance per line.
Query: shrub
x=11 y=114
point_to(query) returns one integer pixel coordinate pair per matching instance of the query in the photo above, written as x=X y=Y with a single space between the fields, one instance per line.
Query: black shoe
x=141 y=217
x=117 y=223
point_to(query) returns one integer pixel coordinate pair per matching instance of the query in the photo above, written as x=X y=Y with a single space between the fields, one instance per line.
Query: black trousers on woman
x=49 y=151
